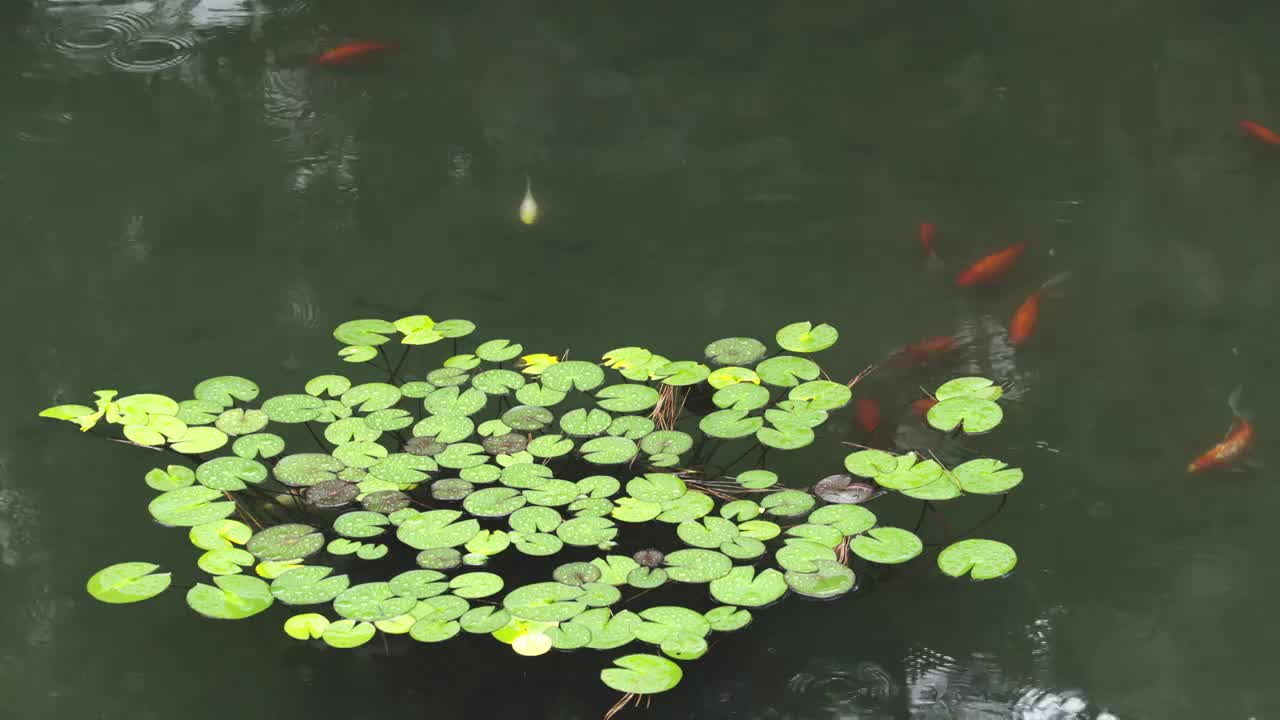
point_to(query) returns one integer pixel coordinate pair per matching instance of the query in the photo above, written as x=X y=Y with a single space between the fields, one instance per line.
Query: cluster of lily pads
x=426 y=488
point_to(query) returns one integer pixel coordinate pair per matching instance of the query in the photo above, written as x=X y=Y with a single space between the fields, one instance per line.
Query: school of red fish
x=987 y=270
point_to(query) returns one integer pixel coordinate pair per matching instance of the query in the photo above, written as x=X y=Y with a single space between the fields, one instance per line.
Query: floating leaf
x=627 y=397
x=483 y=620
x=657 y=487
x=848 y=519
x=576 y=574
x=258 y=445
x=225 y=390
x=439 y=558
x=455 y=328
x=642 y=674
x=787 y=503
x=786 y=436
x=447 y=377
x=488 y=542
x=827 y=535
x=728 y=376
x=886 y=545
x=870 y=463
x=841 y=489
x=494 y=502
x=416 y=389
x=537 y=395
x=361 y=524
x=544 y=602
x=573 y=374
x=418 y=330
x=614 y=569
x=982 y=559
x=740 y=510
x=550 y=446
x=225 y=561
x=974 y=387
x=690 y=506
x=529 y=520
x=821 y=394
x=646 y=578
x=976 y=414
x=633 y=510
x=742 y=586
x=805 y=337
x=364 y=332
x=360 y=454
x=189 y=506
x=452 y=401
x=219 y=534
x=476 y=585
x=683 y=372
x=199 y=440
x=802 y=555
x=527 y=417
x=757 y=479
x=759 y=529
x=127 y=582
x=285 y=542
x=829 y=579
x=498 y=382
x=357 y=353
x=697 y=565
x=910 y=475
x=586 y=531
x=331 y=385
x=667 y=442
x=585 y=423
x=538 y=544
x=230 y=473
x=307 y=626
x=743 y=396
x=236 y=597
x=499 y=350
x=608 y=450
x=735 y=351
x=986 y=476
x=729 y=424
x=437 y=529
x=172 y=477
x=787 y=370
x=347 y=633
x=307 y=469
x=308 y=585
x=371 y=601
x=727 y=618
x=241 y=422
x=461 y=455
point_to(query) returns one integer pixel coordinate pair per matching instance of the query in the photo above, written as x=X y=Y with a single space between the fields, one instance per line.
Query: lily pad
x=690 y=506
x=460 y=456
x=627 y=397
x=307 y=626
x=633 y=510
x=841 y=489
x=586 y=531
x=743 y=396
x=757 y=479
x=172 y=477
x=371 y=601
x=308 y=585
x=485 y=619
x=986 y=476
x=258 y=445
x=499 y=350
x=189 y=506
x=437 y=529
x=971 y=387
x=735 y=351
x=730 y=424
x=236 y=597
x=452 y=401
x=642 y=674
x=696 y=565
x=498 y=382
x=848 y=519
x=573 y=374
x=225 y=561
x=742 y=586
x=829 y=579
x=976 y=415
x=802 y=555
x=361 y=454
x=683 y=372
x=455 y=328
x=451 y=489
x=608 y=450
x=226 y=389
x=821 y=394
x=787 y=503
x=544 y=602
x=527 y=417
x=494 y=502
x=439 y=558
x=198 y=440
x=447 y=377
x=389 y=419
x=364 y=332
x=285 y=542
x=667 y=442
x=870 y=463
x=538 y=544
x=728 y=618
x=733 y=375
x=787 y=370
x=237 y=421
x=127 y=582
x=585 y=423
x=538 y=395
x=886 y=545
x=530 y=520
x=230 y=473
x=550 y=446
x=657 y=487
x=361 y=524
x=805 y=337
x=982 y=559
x=292 y=409
x=331 y=385
x=219 y=534
x=476 y=585
x=786 y=436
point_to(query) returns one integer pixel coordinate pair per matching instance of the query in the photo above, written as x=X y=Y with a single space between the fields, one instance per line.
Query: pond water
x=183 y=194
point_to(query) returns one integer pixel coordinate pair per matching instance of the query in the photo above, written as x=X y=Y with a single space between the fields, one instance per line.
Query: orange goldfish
x=1237 y=442
x=1259 y=132
x=1024 y=318
x=921 y=406
x=869 y=414
x=925 y=234
x=925 y=350
x=991 y=267
x=351 y=53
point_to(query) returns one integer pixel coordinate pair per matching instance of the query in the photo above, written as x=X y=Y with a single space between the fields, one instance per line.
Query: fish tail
x=1233 y=402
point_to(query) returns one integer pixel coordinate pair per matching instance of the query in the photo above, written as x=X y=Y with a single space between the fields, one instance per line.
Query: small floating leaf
x=728 y=618
x=787 y=370
x=127 y=582
x=642 y=674
x=848 y=519
x=331 y=385
x=499 y=351
x=870 y=463
x=494 y=502
x=627 y=397
x=805 y=337
x=371 y=601
x=683 y=372
x=527 y=417
x=285 y=542
x=437 y=529
x=226 y=389
x=786 y=436
x=498 y=382
x=230 y=473
x=742 y=586
x=199 y=440
x=886 y=545
x=735 y=351
x=986 y=476
x=236 y=597
x=841 y=489
x=697 y=565
x=787 y=503
x=293 y=408
x=821 y=394
x=346 y=634
x=727 y=376
x=308 y=585
x=307 y=626
x=172 y=477
x=729 y=424
x=573 y=374
x=741 y=397
x=476 y=585
x=364 y=332
x=189 y=506
x=973 y=387
x=757 y=479
x=544 y=602
x=258 y=445
x=608 y=450
x=983 y=559
x=237 y=421
x=976 y=414
x=829 y=579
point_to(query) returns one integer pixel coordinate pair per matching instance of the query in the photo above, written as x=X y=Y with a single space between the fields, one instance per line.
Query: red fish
x=921 y=406
x=869 y=414
x=925 y=350
x=1024 y=318
x=1259 y=132
x=351 y=53
x=1232 y=448
x=991 y=267
x=925 y=234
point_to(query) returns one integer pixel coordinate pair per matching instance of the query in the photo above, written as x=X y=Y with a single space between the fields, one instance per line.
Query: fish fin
x=933 y=263
x=1233 y=402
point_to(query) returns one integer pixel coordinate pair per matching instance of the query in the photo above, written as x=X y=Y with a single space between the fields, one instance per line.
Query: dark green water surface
x=182 y=195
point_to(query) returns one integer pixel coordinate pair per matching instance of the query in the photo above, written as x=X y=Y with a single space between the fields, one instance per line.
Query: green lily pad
x=447 y=377
x=437 y=529
x=786 y=436
x=667 y=442
x=444 y=428
x=225 y=561
x=358 y=353
x=973 y=387
x=527 y=417
x=530 y=520
x=848 y=519
x=757 y=479
x=360 y=454
x=976 y=415
x=332 y=410
x=600 y=594
x=759 y=529
x=198 y=412
x=642 y=674
x=743 y=396
x=230 y=473
x=371 y=551
x=787 y=370
x=487 y=543
x=657 y=487
x=198 y=440
x=237 y=421
x=732 y=375
x=306 y=626
x=189 y=506
x=605 y=630
x=460 y=456
x=219 y=534
x=308 y=585
x=226 y=389
x=236 y=597
x=331 y=385
x=627 y=397
x=696 y=565
x=573 y=374
x=787 y=503
x=631 y=427
x=127 y=582
x=735 y=351
x=554 y=493
x=585 y=423
x=451 y=489
x=371 y=601
x=729 y=424
x=825 y=535
x=364 y=332
x=982 y=559
x=494 y=502
x=728 y=618
x=586 y=531
x=506 y=444
x=608 y=450
x=544 y=602
x=361 y=524
x=742 y=586
x=402 y=468
x=526 y=476
x=576 y=574
x=690 y=506
x=805 y=337
x=870 y=463
x=538 y=544
x=537 y=395
x=291 y=409
x=439 y=558
x=802 y=555
x=452 y=401
x=455 y=328
x=483 y=620
x=352 y=429
x=389 y=419
x=986 y=476
x=480 y=474
x=346 y=634
x=499 y=350
x=550 y=446
x=417 y=389
x=498 y=382
x=709 y=532
x=172 y=477
x=633 y=510
x=682 y=372
x=794 y=412
x=740 y=510
x=829 y=579
x=886 y=545
x=821 y=394
x=258 y=445
x=285 y=542
x=911 y=475
x=476 y=585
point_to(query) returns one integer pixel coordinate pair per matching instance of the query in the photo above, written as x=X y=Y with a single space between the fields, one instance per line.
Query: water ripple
x=152 y=54
x=99 y=34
